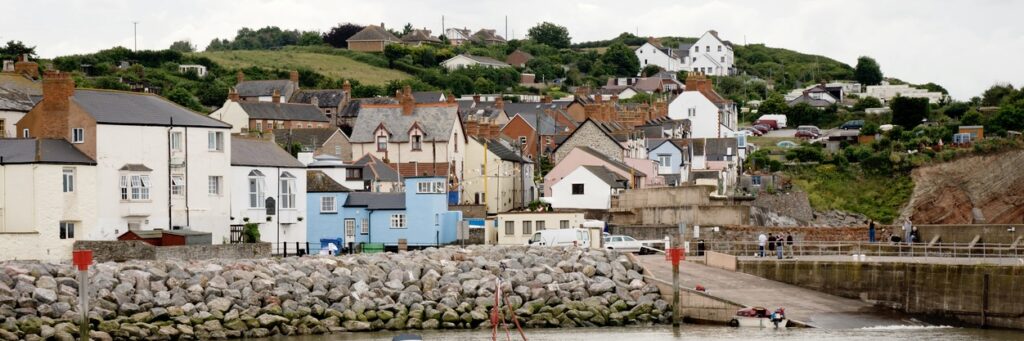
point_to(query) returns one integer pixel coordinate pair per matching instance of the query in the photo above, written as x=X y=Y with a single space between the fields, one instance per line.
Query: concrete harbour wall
x=120 y=251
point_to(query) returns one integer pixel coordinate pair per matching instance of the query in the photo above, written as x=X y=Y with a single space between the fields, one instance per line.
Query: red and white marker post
x=82 y=259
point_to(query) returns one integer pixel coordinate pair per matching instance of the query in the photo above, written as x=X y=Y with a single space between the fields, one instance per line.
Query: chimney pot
x=239 y=77
x=58 y=87
x=347 y=87
x=276 y=97
x=233 y=94
x=294 y=76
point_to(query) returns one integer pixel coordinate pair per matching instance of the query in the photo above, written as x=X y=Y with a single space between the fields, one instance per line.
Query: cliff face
x=978 y=189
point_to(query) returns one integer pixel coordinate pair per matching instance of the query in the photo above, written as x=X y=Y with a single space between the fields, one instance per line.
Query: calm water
x=697 y=332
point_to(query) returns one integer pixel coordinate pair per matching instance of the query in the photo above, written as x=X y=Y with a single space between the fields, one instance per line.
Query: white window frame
x=382 y=140
x=350 y=227
x=177 y=184
x=287 y=191
x=431 y=187
x=665 y=160
x=213 y=184
x=77 y=135
x=540 y=225
x=124 y=187
x=215 y=141
x=416 y=141
x=328 y=204
x=527 y=227
x=256 y=190
x=563 y=224
x=67 y=230
x=398 y=221
x=68 y=177
x=364 y=228
x=176 y=139
x=510 y=228
x=135 y=187
x=25 y=134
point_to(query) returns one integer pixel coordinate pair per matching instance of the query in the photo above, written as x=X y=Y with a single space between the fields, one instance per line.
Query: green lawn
x=334 y=65
x=880 y=197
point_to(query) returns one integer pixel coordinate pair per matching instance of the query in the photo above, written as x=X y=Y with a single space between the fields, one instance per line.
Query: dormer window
x=417 y=142
x=382 y=143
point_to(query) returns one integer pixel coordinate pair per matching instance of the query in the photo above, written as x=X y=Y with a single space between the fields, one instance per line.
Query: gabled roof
x=329 y=98
x=46 y=151
x=320 y=182
x=611 y=178
x=422 y=35
x=486 y=35
x=376 y=201
x=257 y=88
x=353 y=106
x=600 y=125
x=373 y=33
x=617 y=164
x=283 y=111
x=806 y=98
x=376 y=168
x=482 y=60
x=14 y=100
x=307 y=136
x=716 y=149
x=656 y=143
x=131 y=108
x=21 y=83
x=436 y=121
x=253 y=152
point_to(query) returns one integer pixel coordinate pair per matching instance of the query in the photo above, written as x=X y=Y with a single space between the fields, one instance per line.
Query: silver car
x=622 y=244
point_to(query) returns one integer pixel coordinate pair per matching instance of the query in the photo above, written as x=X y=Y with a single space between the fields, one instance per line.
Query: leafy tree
x=956 y=110
x=972 y=118
x=620 y=60
x=909 y=112
x=867 y=71
x=184 y=98
x=994 y=96
x=932 y=87
x=310 y=38
x=650 y=70
x=251 y=233
x=545 y=68
x=774 y=105
x=866 y=103
x=183 y=46
x=15 y=48
x=338 y=34
x=406 y=30
x=270 y=37
x=550 y=34
x=1009 y=117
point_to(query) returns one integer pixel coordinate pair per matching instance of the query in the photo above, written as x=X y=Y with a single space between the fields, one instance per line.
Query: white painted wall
x=552 y=221
x=711 y=54
x=32 y=205
x=117 y=145
x=233 y=114
x=702 y=113
x=651 y=55
x=291 y=229
x=10 y=119
x=596 y=193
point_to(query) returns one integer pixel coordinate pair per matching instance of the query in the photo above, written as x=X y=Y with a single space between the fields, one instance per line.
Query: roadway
x=810 y=307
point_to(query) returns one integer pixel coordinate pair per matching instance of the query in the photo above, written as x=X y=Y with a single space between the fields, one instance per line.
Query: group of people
x=910 y=234
x=775 y=244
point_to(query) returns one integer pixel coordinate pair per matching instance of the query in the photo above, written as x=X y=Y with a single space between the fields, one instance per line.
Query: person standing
x=778 y=247
x=907 y=226
x=771 y=243
x=760 y=244
x=871 y=231
x=789 y=244
x=915 y=236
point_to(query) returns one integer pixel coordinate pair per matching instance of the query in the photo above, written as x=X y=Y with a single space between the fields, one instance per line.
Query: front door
x=350 y=230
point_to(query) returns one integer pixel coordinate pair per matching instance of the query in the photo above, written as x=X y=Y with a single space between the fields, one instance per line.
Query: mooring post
x=676 y=254
x=82 y=259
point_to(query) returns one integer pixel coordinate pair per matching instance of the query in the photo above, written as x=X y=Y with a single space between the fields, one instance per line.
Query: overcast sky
x=966 y=46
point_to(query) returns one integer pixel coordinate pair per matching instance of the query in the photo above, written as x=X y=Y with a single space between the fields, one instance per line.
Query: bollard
x=82 y=259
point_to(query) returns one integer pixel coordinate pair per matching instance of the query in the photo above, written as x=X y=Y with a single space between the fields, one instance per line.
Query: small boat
x=407 y=337
x=758 y=317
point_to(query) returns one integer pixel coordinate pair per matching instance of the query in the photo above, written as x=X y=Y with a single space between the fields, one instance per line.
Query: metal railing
x=881 y=249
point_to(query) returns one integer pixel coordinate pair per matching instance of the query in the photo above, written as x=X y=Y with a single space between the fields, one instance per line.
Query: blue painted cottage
x=419 y=215
x=672 y=160
x=324 y=211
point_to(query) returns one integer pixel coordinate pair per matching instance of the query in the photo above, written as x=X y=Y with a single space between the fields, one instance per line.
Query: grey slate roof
x=715 y=149
x=617 y=164
x=611 y=178
x=380 y=171
x=308 y=137
x=320 y=182
x=435 y=121
x=257 y=88
x=487 y=35
x=330 y=98
x=544 y=123
x=376 y=201
x=503 y=150
x=129 y=108
x=260 y=153
x=814 y=102
x=353 y=106
x=427 y=96
x=14 y=100
x=373 y=33
x=420 y=35
x=135 y=167
x=283 y=111
x=52 y=151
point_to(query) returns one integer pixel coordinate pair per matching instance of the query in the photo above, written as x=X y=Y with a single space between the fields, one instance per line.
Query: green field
x=334 y=65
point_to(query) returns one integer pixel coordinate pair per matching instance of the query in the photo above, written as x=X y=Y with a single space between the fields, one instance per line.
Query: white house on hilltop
x=709 y=114
x=709 y=55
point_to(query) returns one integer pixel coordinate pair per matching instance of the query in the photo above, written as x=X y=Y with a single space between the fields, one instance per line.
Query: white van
x=561 y=237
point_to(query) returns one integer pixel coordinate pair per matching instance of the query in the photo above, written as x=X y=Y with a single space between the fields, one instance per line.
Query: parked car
x=623 y=244
x=854 y=124
x=813 y=129
x=561 y=237
x=762 y=128
x=805 y=134
x=770 y=123
x=753 y=131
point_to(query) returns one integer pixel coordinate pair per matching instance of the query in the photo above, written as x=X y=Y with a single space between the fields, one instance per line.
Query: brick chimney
x=347 y=87
x=276 y=97
x=294 y=76
x=239 y=77
x=233 y=95
x=476 y=98
x=57 y=90
x=450 y=98
x=24 y=67
x=499 y=103
x=698 y=82
x=407 y=101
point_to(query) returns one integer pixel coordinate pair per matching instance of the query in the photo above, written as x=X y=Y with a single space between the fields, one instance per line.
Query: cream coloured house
x=504 y=182
x=47 y=198
x=516 y=228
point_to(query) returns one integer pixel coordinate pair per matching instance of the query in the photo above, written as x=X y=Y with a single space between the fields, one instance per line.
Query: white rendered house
x=262 y=174
x=587 y=187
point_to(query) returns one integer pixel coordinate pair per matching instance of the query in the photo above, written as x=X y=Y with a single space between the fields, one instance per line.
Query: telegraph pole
x=135 y=25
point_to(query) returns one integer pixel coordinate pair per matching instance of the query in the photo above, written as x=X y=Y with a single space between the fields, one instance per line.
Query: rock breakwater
x=431 y=289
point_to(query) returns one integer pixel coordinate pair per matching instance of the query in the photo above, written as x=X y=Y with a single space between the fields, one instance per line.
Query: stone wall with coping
x=120 y=251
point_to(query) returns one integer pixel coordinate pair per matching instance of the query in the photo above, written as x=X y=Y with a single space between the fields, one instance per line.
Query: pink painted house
x=586 y=156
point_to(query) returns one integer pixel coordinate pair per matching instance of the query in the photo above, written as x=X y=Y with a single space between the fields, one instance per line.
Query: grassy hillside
x=334 y=65
x=880 y=197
